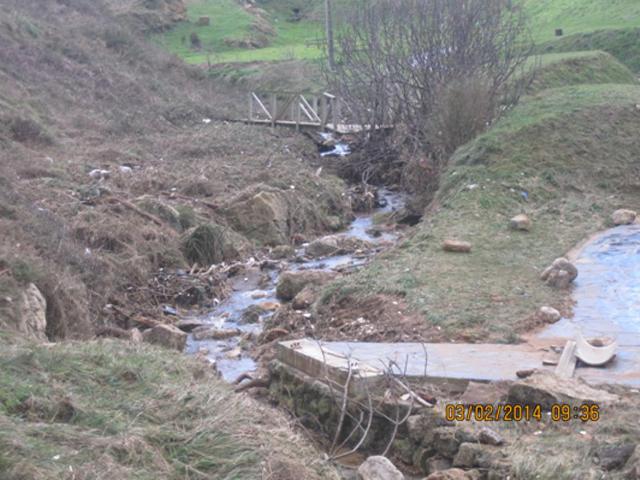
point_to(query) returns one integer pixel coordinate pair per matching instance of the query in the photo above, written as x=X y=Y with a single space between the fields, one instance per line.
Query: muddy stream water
x=252 y=287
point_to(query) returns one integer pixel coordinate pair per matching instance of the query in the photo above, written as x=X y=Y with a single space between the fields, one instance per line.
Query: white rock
x=624 y=217
x=379 y=468
x=549 y=314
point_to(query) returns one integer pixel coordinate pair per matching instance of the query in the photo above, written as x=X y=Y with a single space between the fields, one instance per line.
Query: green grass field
x=297 y=40
x=229 y=22
x=581 y=16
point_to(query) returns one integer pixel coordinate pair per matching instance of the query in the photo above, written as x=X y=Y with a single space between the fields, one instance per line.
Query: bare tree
x=439 y=71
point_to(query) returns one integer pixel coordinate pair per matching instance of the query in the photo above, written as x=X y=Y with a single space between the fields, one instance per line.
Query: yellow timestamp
x=560 y=412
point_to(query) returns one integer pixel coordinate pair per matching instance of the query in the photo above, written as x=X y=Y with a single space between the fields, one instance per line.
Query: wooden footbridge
x=299 y=110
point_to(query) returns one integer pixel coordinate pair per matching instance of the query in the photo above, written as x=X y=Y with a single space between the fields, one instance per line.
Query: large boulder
x=32 y=314
x=166 y=336
x=379 y=468
x=546 y=389
x=560 y=273
x=261 y=214
x=624 y=217
x=292 y=283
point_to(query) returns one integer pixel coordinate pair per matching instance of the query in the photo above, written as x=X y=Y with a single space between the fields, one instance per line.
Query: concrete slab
x=448 y=362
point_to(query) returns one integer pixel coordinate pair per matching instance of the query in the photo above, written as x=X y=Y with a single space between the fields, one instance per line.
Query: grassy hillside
x=112 y=410
x=280 y=34
x=577 y=68
x=293 y=27
x=623 y=44
x=581 y=16
x=81 y=91
x=574 y=151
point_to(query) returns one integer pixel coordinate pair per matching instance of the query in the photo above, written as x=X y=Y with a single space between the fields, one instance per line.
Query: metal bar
x=250 y=108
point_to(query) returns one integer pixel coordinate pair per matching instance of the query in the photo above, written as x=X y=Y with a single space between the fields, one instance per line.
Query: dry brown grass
x=83 y=91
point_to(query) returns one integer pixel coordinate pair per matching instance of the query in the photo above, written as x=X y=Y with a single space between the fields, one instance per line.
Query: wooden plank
x=567 y=364
x=261 y=105
x=311 y=110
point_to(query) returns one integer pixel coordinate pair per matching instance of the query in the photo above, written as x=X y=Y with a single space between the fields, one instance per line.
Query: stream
x=252 y=287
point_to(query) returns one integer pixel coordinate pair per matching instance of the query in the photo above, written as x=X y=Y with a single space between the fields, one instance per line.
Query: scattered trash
x=99 y=174
x=339 y=150
x=125 y=169
x=206 y=121
x=167 y=310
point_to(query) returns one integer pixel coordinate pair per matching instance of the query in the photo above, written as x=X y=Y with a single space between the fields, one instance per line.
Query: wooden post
x=334 y=113
x=323 y=112
x=274 y=110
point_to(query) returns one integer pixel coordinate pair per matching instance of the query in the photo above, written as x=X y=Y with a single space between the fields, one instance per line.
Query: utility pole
x=329 y=26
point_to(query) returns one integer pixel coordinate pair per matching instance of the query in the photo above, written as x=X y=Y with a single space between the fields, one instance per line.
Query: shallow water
x=228 y=314
x=607 y=290
x=607 y=296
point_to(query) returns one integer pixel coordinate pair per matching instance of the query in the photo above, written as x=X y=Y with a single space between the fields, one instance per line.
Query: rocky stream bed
x=222 y=334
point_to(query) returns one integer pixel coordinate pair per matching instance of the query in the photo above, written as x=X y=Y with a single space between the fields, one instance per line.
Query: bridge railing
x=322 y=110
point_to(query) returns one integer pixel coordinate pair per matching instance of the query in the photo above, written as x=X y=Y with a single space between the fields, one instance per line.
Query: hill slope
x=275 y=30
x=574 y=151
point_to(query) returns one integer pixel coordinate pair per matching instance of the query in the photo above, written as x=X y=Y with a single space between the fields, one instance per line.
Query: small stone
x=471 y=455
x=269 y=306
x=549 y=315
x=438 y=464
x=166 y=336
x=520 y=222
x=624 y=217
x=560 y=273
x=449 y=474
x=188 y=325
x=252 y=314
x=490 y=437
x=525 y=373
x=136 y=336
x=304 y=299
x=456 y=246
x=234 y=353
x=282 y=251
x=444 y=441
x=208 y=333
x=378 y=468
